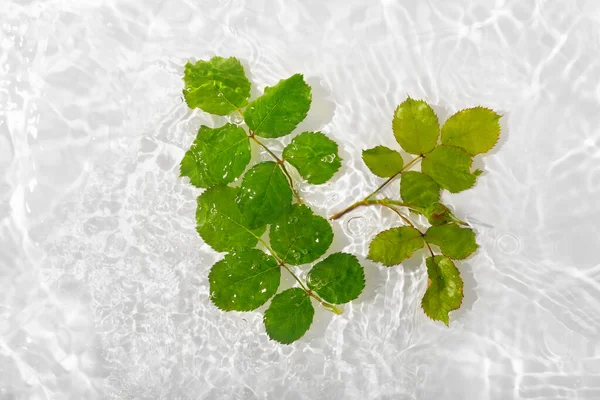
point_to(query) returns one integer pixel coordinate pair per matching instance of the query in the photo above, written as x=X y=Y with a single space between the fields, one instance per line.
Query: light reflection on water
x=104 y=290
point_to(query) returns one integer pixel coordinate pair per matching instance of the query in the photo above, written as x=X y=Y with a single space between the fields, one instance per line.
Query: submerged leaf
x=264 y=194
x=221 y=224
x=217 y=156
x=289 y=316
x=438 y=214
x=337 y=279
x=280 y=109
x=314 y=155
x=243 y=281
x=475 y=130
x=445 y=292
x=454 y=242
x=415 y=126
x=450 y=167
x=299 y=236
x=218 y=86
x=383 y=161
x=395 y=245
x=418 y=189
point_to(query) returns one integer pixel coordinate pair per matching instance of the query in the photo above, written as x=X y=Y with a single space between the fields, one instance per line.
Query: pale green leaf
x=243 y=281
x=299 y=236
x=221 y=224
x=475 y=130
x=415 y=126
x=264 y=194
x=280 y=109
x=218 y=86
x=337 y=279
x=418 y=189
x=450 y=167
x=454 y=242
x=314 y=155
x=383 y=161
x=445 y=291
x=289 y=316
x=217 y=156
x=395 y=245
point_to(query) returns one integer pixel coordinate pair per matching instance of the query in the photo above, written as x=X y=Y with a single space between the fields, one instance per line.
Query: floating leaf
x=337 y=279
x=217 y=156
x=418 y=189
x=314 y=155
x=243 y=281
x=450 y=167
x=395 y=245
x=475 y=130
x=445 y=291
x=438 y=214
x=264 y=194
x=383 y=161
x=280 y=109
x=455 y=242
x=415 y=126
x=299 y=236
x=218 y=86
x=221 y=224
x=289 y=316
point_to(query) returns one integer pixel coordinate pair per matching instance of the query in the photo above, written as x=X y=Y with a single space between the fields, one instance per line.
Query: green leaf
x=299 y=236
x=218 y=86
x=450 y=167
x=280 y=109
x=314 y=155
x=395 y=245
x=445 y=291
x=454 y=242
x=264 y=194
x=383 y=161
x=418 y=189
x=289 y=316
x=415 y=126
x=475 y=130
x=221 y=224
x=217 y=156
x=438 y=214
x=337 y=279
x=243 y=281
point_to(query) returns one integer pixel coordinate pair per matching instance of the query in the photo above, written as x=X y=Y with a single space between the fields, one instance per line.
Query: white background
x=103 y=288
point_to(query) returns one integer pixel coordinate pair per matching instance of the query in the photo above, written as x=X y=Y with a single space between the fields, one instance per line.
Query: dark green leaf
x=299 y=236
x=280 y=109
x=395 y=245
x=314 y=155
x=445 y=291
x=418 y=189
x=455 y=242
x=264 y=194
x=450 y=167
x=289 y=316
x=475 y=130
x=383 y=161
x=218 y=86
x=217 y=156
x=243 y=281
x=221 y=224
x=337 y=279
x=415 y=126
x=438 y=214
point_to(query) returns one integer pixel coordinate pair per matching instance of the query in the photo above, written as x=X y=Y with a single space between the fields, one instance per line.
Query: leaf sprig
x=446 y=156
x=234 y=219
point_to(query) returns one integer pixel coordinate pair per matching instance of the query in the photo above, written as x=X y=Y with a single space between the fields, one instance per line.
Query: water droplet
x=508 y=243
x=357 y=226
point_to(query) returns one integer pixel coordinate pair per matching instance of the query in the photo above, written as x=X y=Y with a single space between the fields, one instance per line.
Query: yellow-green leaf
x=450 y=167
x=383 y=161
x=418 y=189
x=454 y=242
x=337 y=279
x=475 y=130
x=395 y=245
x=445 y=291
x=415 y=126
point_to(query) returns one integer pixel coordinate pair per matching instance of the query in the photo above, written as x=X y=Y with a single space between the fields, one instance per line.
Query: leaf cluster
x=233 y=217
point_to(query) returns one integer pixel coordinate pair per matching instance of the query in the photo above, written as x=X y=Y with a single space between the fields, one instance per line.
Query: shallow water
x=104 y=289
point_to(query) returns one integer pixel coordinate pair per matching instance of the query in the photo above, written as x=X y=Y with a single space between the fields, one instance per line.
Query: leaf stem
x=365 y=201
x=281 y=165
